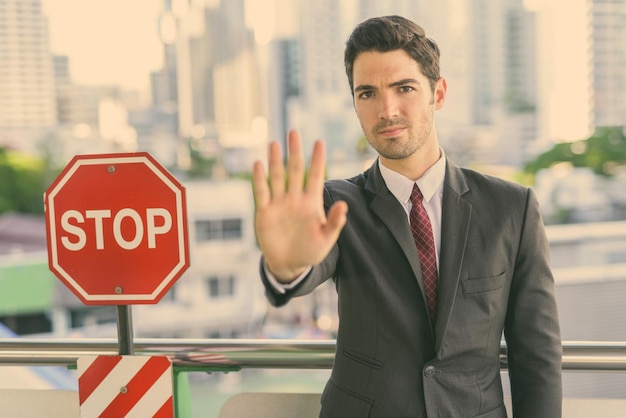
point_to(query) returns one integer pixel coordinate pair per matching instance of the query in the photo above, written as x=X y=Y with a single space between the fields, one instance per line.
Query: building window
x=219 y=229
x=220 y=286
x=90 y=316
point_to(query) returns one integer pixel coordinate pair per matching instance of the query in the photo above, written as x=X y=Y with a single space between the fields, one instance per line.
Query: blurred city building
x=27 y=101
x=608 y=43
x=521 y=75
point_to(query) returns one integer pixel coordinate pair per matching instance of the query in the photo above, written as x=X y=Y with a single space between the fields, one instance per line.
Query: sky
x=107 y=41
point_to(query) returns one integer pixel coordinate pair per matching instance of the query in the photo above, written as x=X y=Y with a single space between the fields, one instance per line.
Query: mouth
x=391 y=131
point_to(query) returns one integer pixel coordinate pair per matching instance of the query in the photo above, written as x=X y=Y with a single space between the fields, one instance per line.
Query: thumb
x=336 y=219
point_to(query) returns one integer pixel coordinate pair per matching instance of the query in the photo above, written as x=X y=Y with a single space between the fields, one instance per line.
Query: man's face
x=395 y=104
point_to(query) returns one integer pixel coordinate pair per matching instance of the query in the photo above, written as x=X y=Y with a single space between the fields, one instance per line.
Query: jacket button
x=429 y=371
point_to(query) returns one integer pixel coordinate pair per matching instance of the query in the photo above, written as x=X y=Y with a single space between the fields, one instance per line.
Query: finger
x=295 y=163
x=276 y=170
x=260 y=187
x=336 y=219
x=317 y=170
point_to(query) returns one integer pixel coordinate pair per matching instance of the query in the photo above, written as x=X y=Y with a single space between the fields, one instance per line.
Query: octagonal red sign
x=117 y=228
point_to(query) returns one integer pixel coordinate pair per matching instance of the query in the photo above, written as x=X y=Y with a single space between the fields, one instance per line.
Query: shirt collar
x=430 y=182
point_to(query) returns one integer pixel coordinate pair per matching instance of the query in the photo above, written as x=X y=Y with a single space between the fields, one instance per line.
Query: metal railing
x=235 y=354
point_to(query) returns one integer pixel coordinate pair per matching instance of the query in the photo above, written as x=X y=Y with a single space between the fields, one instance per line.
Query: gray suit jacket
x=494 y=276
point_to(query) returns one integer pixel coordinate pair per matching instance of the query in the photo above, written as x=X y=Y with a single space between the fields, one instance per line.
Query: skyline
x=117 y=43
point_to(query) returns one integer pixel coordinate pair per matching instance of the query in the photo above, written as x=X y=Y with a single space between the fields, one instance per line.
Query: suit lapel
x=392 y=214
x=455 y=221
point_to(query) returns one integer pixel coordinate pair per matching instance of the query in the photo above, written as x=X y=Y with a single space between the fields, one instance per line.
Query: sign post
x=125 y=330
x=117 y=235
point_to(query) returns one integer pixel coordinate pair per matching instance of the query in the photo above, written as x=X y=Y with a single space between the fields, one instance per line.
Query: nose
x=388 y=107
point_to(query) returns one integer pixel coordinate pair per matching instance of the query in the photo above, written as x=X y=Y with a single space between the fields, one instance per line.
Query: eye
x=406 y=89
x=366 y=94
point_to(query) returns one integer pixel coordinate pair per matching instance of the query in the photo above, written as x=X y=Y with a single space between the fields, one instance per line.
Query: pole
x=125 y=330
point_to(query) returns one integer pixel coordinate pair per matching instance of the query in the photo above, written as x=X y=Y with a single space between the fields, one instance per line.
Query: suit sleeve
x=532 y=331
x=316 y=276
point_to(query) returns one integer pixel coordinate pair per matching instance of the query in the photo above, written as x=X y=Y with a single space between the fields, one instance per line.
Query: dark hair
x=389 y=33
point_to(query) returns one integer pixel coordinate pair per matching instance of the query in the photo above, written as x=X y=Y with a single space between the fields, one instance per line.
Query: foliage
x=22 y=183
x=200 y=165
x=603 y=152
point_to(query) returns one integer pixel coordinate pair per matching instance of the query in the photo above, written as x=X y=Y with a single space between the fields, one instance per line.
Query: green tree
x=22 y=183
x=602 y=152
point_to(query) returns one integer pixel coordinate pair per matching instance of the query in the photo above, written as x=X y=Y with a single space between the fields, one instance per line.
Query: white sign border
x=182 y=256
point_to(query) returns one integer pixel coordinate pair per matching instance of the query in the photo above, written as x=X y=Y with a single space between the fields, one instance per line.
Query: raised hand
x=291 y=227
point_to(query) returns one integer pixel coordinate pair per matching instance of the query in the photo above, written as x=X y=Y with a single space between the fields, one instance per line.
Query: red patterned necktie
x=423 y=236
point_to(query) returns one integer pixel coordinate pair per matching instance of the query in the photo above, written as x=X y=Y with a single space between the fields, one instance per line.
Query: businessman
x=433 y=264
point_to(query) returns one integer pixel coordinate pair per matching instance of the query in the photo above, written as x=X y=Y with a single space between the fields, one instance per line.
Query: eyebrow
x=366 y=87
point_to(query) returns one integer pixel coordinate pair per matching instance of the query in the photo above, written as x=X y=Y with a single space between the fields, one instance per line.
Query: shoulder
x=350 y=185
x=492 y=191
x=345 y=189
x=480 y=182
x=356 y=191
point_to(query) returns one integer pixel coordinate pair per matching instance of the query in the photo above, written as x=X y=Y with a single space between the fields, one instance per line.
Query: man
x=415 y=338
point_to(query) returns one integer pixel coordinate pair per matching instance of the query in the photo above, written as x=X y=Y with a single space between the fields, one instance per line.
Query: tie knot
x=416 y=195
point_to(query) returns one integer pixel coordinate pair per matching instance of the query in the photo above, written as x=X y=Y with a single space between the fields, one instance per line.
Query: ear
x=439 y=95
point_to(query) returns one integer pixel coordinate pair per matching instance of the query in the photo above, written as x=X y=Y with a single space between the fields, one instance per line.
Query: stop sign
x=116 y=228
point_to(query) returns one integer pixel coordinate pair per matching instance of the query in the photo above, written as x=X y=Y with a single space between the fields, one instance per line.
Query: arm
x=532 y=329
x=292 y=229
x=280 y=294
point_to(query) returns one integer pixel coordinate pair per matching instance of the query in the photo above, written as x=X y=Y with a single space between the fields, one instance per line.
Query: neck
x=414 y=166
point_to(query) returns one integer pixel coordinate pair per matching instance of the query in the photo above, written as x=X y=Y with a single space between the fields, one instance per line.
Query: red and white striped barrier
x=125 y=387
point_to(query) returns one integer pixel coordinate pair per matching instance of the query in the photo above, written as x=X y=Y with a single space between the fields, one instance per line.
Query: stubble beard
x=401 y=147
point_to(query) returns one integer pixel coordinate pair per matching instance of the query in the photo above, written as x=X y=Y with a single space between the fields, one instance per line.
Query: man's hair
x=390 y=33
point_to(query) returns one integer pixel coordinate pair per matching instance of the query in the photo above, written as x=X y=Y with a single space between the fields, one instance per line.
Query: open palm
x=292 y=229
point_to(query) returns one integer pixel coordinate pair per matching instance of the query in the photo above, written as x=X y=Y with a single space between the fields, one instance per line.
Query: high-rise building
x=517 y=131
x=163 y=82
x=218 y=69
x=27 y=101
x=284 y=84
x=609 y=61
x=221 y=82
x=62 y=85
x=324 y=107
